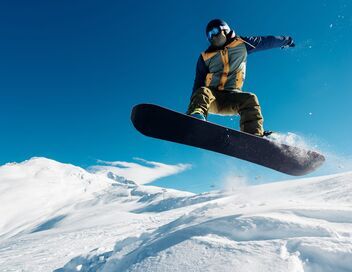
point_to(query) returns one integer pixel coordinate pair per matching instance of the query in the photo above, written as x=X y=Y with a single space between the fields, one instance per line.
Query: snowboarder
x=220 y=74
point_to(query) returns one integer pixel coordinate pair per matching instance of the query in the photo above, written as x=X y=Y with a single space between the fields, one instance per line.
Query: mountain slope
x=290 y=226
x=97 y=223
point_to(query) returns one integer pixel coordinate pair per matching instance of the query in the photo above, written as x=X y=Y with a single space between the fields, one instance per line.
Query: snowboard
x=162 y=123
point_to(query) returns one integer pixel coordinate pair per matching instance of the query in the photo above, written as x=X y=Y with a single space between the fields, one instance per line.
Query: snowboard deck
x=162 y=123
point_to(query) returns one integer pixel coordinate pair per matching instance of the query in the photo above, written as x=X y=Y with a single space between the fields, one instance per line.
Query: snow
x=59 y=217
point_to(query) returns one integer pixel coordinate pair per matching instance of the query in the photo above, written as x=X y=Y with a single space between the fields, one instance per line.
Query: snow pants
x=205 y=100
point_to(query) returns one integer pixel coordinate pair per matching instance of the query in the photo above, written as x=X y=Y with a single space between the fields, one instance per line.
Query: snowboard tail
x=162 y=123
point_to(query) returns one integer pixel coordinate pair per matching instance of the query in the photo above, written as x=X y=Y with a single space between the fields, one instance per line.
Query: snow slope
x=58 y=217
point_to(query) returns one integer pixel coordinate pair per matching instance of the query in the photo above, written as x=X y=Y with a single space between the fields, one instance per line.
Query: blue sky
x=72 y=70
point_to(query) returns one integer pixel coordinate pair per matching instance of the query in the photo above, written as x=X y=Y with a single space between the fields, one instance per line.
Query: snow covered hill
x=59 y=217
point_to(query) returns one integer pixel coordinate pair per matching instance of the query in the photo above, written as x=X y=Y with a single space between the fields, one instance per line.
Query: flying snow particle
x=330 y=25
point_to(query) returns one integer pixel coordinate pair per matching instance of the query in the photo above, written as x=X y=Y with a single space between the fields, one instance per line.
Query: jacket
x=225 y=68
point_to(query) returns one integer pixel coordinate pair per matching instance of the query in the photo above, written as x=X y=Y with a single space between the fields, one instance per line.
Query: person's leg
x=251 y=115
x=200 y=101
x=246 y=105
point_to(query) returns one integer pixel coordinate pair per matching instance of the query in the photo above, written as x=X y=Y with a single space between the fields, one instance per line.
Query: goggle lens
x=215 y=31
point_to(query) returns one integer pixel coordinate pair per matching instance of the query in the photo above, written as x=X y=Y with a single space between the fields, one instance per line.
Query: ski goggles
x=216 y=30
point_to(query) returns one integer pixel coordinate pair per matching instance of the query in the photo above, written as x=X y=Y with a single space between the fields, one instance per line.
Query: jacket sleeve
x=259 y=43
x=201 y=74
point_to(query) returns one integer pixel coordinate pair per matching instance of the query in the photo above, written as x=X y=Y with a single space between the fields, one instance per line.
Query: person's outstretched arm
x=259 y=43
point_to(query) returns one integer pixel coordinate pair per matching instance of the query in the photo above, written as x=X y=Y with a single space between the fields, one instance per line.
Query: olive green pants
x=206 y=100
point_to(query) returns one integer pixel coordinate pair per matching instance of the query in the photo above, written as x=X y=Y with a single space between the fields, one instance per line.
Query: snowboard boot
x=267 y=133
x=199 y=116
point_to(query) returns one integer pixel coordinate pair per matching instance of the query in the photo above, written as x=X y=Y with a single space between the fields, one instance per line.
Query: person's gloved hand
x=290 y=43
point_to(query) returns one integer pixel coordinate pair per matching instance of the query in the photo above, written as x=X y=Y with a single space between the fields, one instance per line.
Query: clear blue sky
x=70 y=72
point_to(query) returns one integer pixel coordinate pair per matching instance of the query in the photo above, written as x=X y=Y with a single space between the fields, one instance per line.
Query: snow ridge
x=108 y=225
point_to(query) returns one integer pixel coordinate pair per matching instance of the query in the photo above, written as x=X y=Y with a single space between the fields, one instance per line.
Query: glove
x=290 y=43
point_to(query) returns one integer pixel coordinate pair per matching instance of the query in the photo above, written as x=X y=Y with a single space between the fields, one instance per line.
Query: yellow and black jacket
x=225 y=68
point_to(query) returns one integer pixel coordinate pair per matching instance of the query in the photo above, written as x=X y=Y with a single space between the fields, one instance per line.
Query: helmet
x=215 y=26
